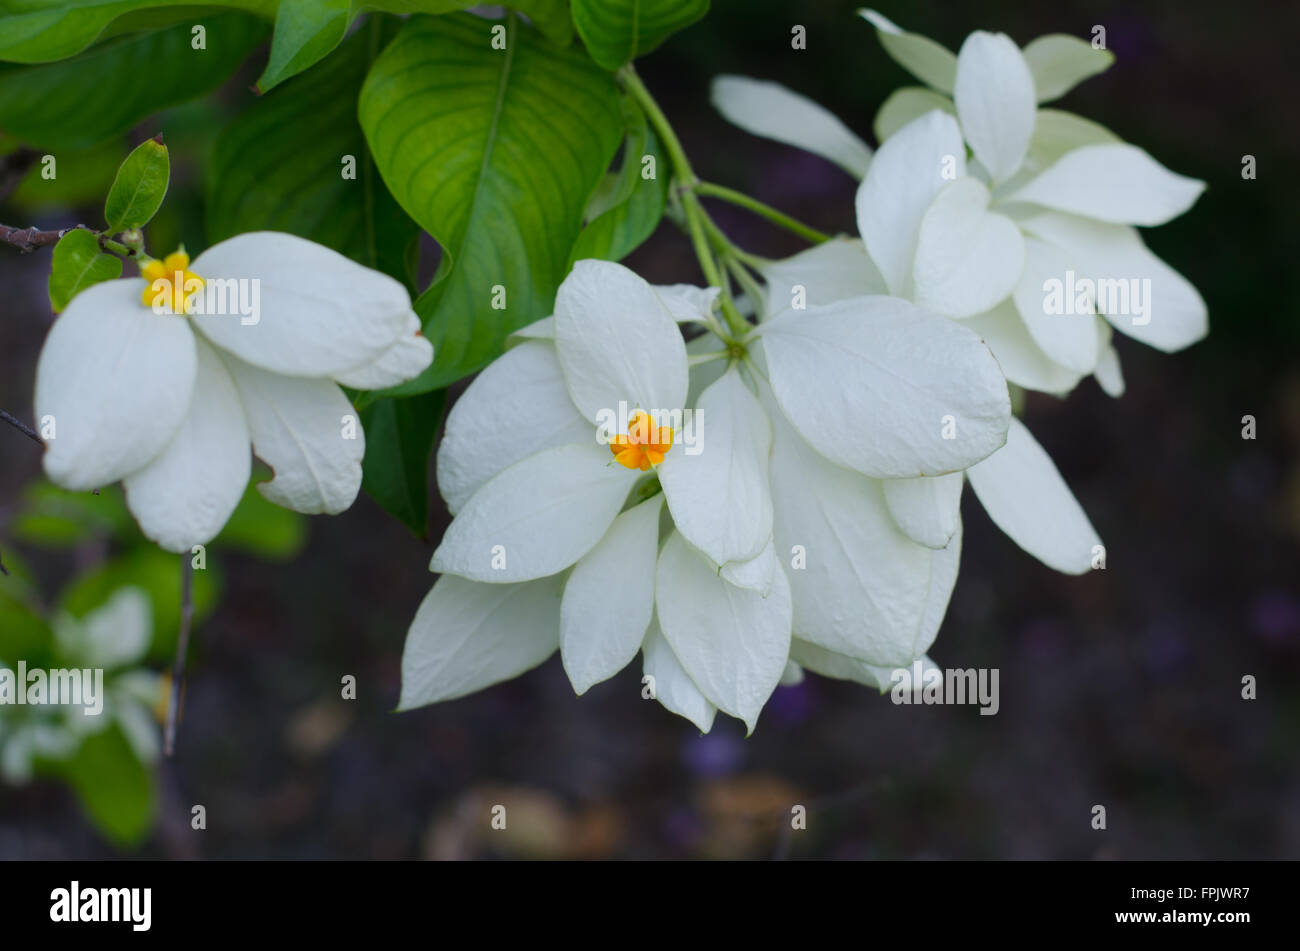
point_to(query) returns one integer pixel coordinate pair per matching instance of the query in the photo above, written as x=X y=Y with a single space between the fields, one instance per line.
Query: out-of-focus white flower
x=771 y=529
x=128 y=388
x=112 y=639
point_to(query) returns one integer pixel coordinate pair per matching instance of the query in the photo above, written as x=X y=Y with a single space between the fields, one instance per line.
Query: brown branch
x=182 y=648
x=27 y=240
x=22 y=427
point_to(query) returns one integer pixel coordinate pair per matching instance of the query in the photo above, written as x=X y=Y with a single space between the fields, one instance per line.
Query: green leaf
x=280 y=166
x=307 y=30
x=618 y=31
x=139 y=187
x=495 y=153
x=158 y=573
x=635 y=206
x=78 y=263
x=115 y=788
x=399 y=439
x=51 y=517
x=47 y=30
x=24 y=635
x=106 y=90
x=262 y=528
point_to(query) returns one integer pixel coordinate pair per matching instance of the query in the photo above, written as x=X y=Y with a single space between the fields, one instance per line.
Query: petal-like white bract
x=1057 y=133
x=467 y=636
x=1059 y=62
x=517 y=406
x=967 y=257
x=1109 y=376
x=772 y=111
x=841 y=667
x=1023 y=492
x=732 y=642
x=717 y=490
x=921 y=56
x=1119 y=183
x=537 y=517
x=906 y=104
x=1021 y=359
x=995 y=101
x=687 y=302
x=756 y=574
x=609 y=598
x=859 y=585
x=185 y=496
x=822 y=274
x=308 y=432
x=1060 y=317
x=673 y=686
x=944 y=563
x=881 y=386
x=113 y=384
x=317 y=312
x=1139 y=294
x=115 y=634
x=927 y=509
x=617 y=342
x=905 y=175
x=404 y=360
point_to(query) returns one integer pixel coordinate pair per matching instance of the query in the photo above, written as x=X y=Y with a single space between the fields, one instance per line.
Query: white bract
x=113 y=638
x=1029 y=243
x=754 y=529
x=168 y=403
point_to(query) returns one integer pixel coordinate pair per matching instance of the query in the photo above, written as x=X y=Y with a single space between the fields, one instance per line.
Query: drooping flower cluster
x=787 y=497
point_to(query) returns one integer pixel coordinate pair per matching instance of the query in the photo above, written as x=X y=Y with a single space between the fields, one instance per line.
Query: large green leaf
x=619 y=221
x=618 y=31
x=116 y=789
x=280 y=166
x=108 y=89
x=399 y=438
x=495 y=153
x=307 y=30
x=41 y=31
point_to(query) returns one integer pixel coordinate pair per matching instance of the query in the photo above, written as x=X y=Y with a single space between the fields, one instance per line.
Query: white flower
x=168 y=404
x=1048 y=197
x=560 y=542
x=111 y=638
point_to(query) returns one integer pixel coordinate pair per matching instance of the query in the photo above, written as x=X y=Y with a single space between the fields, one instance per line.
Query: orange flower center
x=644 y=445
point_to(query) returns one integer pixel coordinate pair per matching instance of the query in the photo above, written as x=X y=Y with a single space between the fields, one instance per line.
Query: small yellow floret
x=172 y=285
x=644 y=445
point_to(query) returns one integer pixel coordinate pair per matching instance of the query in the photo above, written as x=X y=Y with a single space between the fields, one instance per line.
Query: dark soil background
x=1122 y=688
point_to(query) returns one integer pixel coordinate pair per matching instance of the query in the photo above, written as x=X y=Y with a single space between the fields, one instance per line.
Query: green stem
x=631 y=82
x=779 y=218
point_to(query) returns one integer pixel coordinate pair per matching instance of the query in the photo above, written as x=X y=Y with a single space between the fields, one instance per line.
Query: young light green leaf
x=71 y=104
x=399 y=439
x=138 y=190
x=296 y=161
x=114 y=787
x=618 y=31
x=77 y=264
x=495 y=153
x=634 y=204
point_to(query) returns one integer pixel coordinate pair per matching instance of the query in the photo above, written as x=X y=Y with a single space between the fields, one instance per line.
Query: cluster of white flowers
x=812 y=521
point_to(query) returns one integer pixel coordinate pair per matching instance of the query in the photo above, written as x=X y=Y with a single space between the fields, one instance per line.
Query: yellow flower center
x=644 y=445
x=172 y=285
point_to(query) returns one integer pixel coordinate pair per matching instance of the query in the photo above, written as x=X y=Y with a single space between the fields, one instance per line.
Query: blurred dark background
x=1121 y=688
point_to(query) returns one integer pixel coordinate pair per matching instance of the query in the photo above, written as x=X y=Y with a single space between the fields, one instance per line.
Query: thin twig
x=22 y=427
x=182 y=648
x=26 y=240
